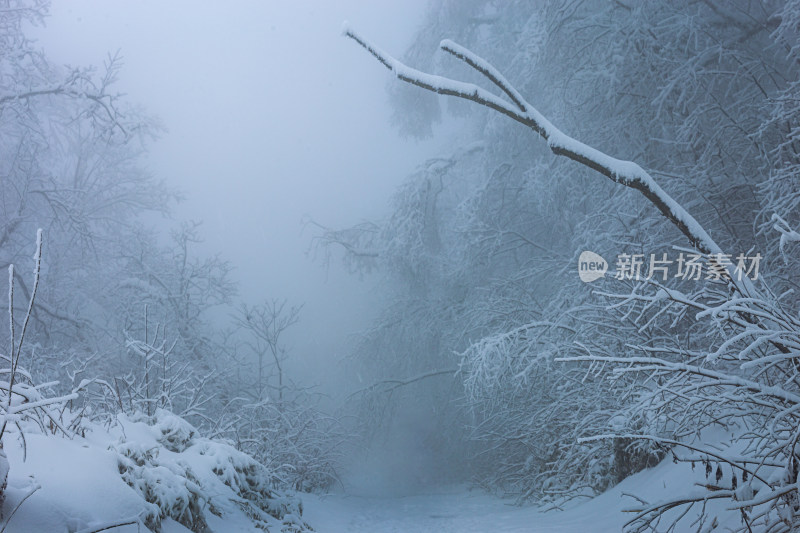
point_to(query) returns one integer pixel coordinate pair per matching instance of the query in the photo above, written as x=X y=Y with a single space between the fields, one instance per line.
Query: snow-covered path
x=460 y=510
x=449 y=511
x=452 y=510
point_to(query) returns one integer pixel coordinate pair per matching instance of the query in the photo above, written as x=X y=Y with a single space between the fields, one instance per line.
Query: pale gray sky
x=271 y=115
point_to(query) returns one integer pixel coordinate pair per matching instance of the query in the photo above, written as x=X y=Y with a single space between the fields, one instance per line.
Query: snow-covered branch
x=623 y=172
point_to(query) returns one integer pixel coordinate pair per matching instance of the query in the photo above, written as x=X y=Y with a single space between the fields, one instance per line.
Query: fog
x=270 y=117
x=269 y=270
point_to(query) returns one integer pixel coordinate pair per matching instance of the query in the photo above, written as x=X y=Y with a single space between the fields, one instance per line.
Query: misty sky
x=270 y=115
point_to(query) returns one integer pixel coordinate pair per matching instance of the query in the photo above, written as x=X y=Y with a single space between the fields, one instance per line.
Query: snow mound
x=141 y=474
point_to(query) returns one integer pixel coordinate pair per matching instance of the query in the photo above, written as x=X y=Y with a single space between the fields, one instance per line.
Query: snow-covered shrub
x=298 y=443
x=530 y=410
x=739 y=373
x=176 y=433
x=192 y=479
x=276 y=421
x=172 y=492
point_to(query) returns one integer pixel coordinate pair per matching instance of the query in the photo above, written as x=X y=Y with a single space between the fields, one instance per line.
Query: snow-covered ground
x=120 y=472
x=460 y=510
x=158 y=474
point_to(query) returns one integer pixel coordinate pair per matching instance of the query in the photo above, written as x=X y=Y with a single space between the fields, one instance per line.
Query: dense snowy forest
x=585 y=303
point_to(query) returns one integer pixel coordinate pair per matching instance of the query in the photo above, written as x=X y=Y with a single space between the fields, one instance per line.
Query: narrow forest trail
x=451 y=510
x=457 y=509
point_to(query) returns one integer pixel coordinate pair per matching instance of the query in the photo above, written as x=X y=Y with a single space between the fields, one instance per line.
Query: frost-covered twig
x=787 y=233
x=16 y=350
x=29 y=397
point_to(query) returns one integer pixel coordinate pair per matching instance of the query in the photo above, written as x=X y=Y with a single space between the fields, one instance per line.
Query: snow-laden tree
x=70 y=149
x=703 y=93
